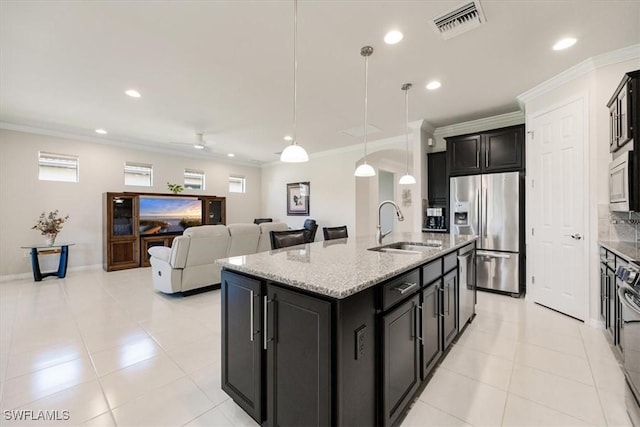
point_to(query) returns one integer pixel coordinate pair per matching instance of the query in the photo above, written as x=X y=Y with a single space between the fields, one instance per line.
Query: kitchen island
x=334 y=333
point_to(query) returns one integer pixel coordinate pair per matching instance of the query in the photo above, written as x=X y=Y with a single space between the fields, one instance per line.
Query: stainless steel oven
x=629 y=298
x=620 y=183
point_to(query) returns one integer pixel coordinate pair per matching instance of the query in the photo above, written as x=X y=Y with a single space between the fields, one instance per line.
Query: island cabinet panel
x=298 y=359
x=242 y=342
x=450 y=307
x=431 y=332
x=400 y=360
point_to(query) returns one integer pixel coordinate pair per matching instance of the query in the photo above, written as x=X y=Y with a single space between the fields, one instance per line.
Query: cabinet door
x=502 y=149
x=613 y=127
x=214 y=210
x=401 y=360
x=623 y=116
x=449 y=308
x=298 y=359
x=463 y=153
x=242 y=342
x=431 y=341
x=611 y=303
x=438 y=188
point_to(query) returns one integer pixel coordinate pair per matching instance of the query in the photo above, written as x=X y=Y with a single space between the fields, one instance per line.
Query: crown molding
x=487 y=123
x=590 y=64
x=128 y=144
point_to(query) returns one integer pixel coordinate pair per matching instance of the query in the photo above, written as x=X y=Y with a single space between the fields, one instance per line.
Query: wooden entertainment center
x=125 y=245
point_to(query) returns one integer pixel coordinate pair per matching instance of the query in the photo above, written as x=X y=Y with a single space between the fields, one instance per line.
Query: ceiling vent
x=463 y=18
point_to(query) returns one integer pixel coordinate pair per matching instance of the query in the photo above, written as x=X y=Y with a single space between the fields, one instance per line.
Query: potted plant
x=175 y=188
x=50 y=225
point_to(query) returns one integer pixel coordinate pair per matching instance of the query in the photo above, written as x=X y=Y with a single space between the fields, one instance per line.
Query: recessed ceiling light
x=288 y=138
x=393 y=37
x=198 y=146
x=133 y=93
x=433 y=85
x=564 y=43
x=231 y=155
x=101 y=131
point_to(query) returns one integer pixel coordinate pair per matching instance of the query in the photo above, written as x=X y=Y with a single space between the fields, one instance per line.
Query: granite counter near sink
x=340 y=268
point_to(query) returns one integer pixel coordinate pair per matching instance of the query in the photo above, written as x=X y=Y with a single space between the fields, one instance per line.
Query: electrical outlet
x=360 y=336
x=26 y=254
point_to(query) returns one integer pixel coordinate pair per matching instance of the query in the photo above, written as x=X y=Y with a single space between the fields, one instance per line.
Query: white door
x=558 y=210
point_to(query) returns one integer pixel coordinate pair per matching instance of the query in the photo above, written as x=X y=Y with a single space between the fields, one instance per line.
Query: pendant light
x=365 y=170
x=407 y=179
x=294 y=153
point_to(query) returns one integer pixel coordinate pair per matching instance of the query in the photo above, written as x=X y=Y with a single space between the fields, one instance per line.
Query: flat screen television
x=159 y=215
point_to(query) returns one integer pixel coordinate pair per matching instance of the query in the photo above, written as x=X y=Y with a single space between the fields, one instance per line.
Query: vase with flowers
x=50 y=225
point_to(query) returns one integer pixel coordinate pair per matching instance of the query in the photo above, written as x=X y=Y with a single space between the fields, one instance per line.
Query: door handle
x=486 y=214
x=576 y=236
x=492 y=254
x=417 y=308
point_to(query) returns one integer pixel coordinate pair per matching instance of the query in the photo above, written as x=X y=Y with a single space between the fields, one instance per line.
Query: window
x=237 y=184
x=57 y=167
x=139 y=174
x=194 y=179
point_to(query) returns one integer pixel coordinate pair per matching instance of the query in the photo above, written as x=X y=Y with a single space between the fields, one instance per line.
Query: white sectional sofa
x=190 y=261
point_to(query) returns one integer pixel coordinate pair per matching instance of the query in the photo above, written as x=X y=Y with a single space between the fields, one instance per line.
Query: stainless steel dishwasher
x=467 y=285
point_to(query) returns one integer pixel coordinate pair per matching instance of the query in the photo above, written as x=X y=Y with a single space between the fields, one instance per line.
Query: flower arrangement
x=175 y=188
x=50 y=223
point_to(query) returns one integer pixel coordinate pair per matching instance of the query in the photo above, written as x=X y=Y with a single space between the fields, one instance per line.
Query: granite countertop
x=340 y=268
x=627 y=250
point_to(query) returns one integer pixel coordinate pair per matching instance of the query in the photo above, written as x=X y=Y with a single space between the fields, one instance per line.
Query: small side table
x=62 y=249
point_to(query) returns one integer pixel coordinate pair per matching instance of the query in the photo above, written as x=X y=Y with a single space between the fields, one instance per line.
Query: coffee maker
x=435 y=219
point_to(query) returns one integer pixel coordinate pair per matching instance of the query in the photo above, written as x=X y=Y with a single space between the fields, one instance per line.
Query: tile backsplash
x=618 y=226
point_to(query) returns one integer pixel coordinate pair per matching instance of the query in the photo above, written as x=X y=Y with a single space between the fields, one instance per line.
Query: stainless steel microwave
x=620 y=183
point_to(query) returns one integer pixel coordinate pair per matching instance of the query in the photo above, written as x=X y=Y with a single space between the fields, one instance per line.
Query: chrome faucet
x=379 y=234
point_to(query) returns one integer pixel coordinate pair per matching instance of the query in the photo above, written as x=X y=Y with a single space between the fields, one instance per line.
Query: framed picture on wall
x=298 y=198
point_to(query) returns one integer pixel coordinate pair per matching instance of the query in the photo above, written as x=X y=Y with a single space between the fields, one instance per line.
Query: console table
x=61 y=248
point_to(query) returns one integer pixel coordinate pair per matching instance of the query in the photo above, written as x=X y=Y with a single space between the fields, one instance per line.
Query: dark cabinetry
x=624 y=111
x=431 y=335
x=284 y=333
x=298 y=359
x=492 y=151
x=123 y=244
x=449 y=307
x=120 y=231
x=401 y=358
x=242 y=341
x=437 y=182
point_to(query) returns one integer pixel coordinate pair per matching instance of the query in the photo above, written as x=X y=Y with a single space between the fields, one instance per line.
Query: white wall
x=23 y=197
x=596 y=87
x=339 y=198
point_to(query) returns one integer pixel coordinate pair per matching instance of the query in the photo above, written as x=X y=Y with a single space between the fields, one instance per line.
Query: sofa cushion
x=244 y=239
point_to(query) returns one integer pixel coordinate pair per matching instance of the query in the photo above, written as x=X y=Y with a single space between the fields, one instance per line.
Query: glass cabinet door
x=123 y=215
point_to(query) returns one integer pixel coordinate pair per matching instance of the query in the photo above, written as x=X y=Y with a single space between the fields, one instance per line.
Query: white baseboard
x=22 y=276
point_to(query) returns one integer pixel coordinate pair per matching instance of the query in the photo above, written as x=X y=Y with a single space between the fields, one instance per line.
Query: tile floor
x=111 y=351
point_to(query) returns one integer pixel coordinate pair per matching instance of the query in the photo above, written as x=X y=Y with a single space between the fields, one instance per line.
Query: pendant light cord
x=406 y=103
x=295 y=70
x=366 y=84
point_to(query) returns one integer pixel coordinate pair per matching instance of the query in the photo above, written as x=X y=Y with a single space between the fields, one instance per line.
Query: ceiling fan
x=199 y=144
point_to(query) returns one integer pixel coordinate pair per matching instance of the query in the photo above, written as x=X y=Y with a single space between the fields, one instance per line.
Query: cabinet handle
x=251 y=317
x=265 y=306
x=478 y=159
x=405 y=287
x=417 y=322
x=486 y=156
x=435 y=302
x=442 y=312
x=448 y=299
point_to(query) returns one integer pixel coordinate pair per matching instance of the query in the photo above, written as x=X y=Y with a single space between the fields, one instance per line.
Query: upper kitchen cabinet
x=497 y=150
x=437 y=181
x=624 y=108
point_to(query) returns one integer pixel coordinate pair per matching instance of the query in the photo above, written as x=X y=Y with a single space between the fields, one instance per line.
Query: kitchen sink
x=408 y=247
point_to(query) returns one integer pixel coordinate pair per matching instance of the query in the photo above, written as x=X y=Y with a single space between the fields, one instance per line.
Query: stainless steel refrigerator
x=489 y=206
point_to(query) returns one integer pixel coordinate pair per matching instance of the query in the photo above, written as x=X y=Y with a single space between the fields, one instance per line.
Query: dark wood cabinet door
x=298 y=359
x=431 y=341
x=242 y=342
x=611 y=303
x=464 y=154
x=437 y=182
x=449 y=308
x=502 y=149
x=401 y=359
x=603 y=293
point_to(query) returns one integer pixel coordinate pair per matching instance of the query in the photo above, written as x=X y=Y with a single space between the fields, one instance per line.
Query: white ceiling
x=225 y=68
